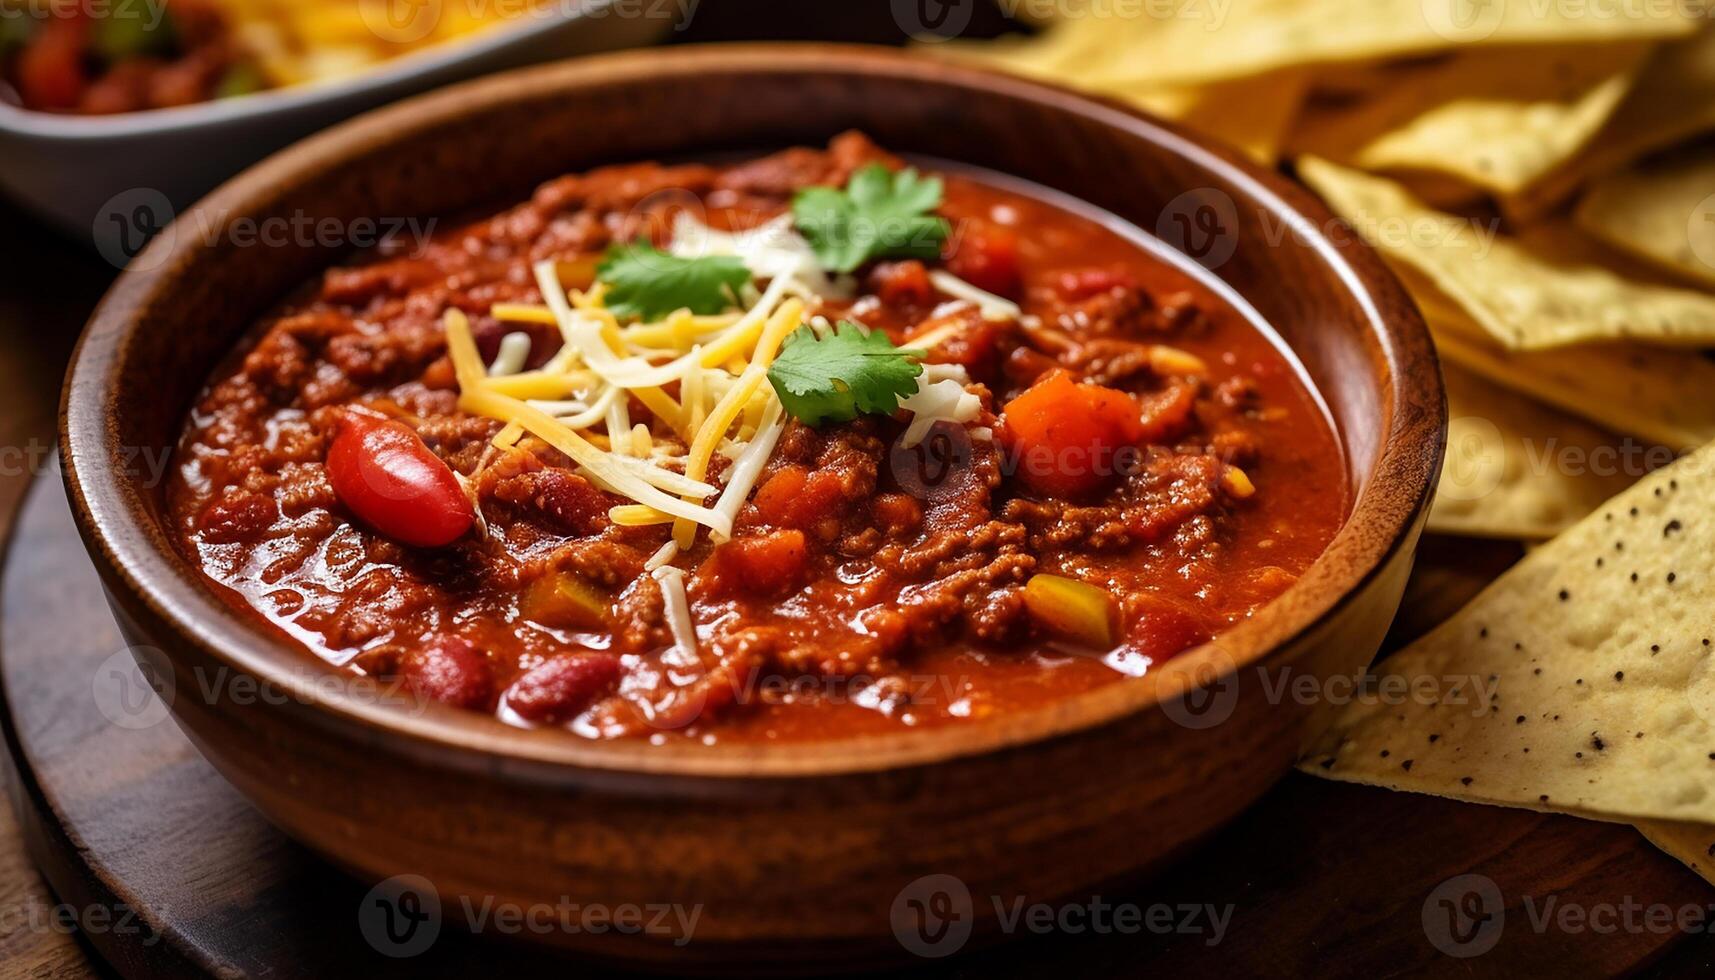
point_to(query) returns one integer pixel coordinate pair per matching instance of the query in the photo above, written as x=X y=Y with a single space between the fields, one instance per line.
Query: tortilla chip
x=1251 y=114
x=1540 y=289
x=1657 y=395
x=1673 y=99
x=1692 y=844
x=1581 y=681
x=1495 y=118
x=1252 y=37
x=1662 y=211
x=1517 y=469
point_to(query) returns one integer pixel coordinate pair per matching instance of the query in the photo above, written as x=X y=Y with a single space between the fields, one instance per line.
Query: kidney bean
x=384 y=473
x=560 y=689
x=450 y=670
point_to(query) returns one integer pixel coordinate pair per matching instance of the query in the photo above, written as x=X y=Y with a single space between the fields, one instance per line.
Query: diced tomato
x=776 y=500
x=1065 y=437
x=391 y=481
x=766 y=564
x=902 y=282
x=1167 y=414
x=796 y=497
x=986 y=256
x=1025 y=365
x=896 y=513
x=560 y=689
x=1160 y=627
x=50 y=68
x=1077 y=284
x=975 y=347
x=450 y=670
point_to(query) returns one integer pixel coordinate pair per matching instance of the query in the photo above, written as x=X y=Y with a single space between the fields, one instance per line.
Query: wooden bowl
x=786 y=848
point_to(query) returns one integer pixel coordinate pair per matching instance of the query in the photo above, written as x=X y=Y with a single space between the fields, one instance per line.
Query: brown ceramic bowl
x=787 y=848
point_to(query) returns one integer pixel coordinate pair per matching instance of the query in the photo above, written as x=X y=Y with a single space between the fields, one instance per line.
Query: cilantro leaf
x=647 y=283
x=834 y=378
x=880 y=213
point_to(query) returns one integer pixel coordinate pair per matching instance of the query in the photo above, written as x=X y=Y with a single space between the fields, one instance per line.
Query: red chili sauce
x=868 y=586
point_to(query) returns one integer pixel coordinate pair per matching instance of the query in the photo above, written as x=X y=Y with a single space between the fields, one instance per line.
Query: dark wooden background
x=1327 y=878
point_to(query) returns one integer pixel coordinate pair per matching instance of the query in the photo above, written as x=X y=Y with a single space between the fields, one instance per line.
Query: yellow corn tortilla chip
x=1662 y=211
x=1251 y=114
x=1250 y=37
x=1581 y=681
x=1539 y=289
x=1672 y=99
x=1692 y=844
x=1656 y=394
x=1517 y=469
x=1495 y=118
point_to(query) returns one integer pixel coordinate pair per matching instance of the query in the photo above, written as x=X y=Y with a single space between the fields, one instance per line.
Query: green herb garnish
x=127 y=33
x=847 y=372
x=647 y=283
x=880 y=213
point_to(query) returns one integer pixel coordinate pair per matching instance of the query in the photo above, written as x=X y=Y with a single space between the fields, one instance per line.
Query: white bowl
x=114 y=180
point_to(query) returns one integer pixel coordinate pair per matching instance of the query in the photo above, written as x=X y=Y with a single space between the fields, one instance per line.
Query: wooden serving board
x=131 y=823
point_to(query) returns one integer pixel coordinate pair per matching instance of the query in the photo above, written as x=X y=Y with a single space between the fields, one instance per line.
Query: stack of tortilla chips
x=1542 y=177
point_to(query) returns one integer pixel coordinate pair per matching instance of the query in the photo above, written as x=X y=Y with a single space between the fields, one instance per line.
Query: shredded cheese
x=747 y=468
x=461 y=347
x=993 y=307
x=678 y=609
x=514 y=351
x=508 y=436
x=523 y=313
x=787 y=319
x=581 y=401
x=637 y=515
x=663 y=555
x=941 y=396
x=770 y=251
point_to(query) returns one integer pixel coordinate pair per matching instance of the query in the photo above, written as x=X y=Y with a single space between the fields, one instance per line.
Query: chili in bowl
x=859 y=487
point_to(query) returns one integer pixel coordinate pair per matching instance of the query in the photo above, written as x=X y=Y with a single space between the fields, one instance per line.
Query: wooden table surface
x=47 y=288
x=1343 y=839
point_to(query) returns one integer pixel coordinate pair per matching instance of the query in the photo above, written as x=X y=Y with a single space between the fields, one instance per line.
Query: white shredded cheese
x=678 y=608
x=663 y=555
x=748 y=466
x=576 y=414
x=514 y=351
x=993 y=307
x=770 y=251
x=941 y=396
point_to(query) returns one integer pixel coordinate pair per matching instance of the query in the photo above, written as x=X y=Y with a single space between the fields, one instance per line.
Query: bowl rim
x=1385 y=516
x=395 y=72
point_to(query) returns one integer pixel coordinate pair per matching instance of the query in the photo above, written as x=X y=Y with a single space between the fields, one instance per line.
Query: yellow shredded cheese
x=785 y=320
x=461 y=347
x=523 y=313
